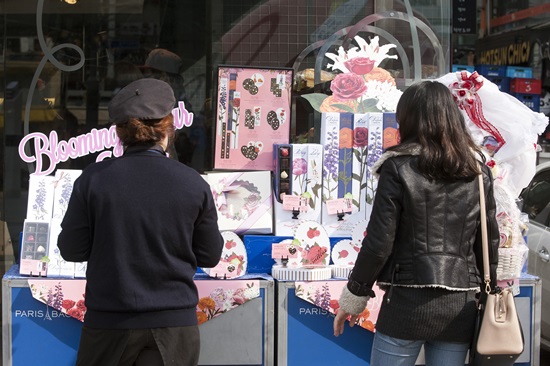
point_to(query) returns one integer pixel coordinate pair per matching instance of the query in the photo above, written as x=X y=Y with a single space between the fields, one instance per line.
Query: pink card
x=293 y=202
x=253 y=113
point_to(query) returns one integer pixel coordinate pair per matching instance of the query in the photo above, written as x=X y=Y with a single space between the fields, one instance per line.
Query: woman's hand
x=340 y=321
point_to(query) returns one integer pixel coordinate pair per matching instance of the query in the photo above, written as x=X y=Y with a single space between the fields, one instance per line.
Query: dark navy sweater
x=144 y=223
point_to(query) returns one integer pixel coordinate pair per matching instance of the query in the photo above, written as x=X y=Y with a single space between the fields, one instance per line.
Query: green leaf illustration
x=344 y=107
x=315 y=99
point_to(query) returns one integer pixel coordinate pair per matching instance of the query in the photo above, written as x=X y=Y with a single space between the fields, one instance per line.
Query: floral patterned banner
x=215 y=297
x=218 y=297
x=66 y=296
x=326 y=294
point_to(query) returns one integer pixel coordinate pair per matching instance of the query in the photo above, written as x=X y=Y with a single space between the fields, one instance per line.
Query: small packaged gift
x=298 y=181
x=243 y=201
x=34 y=248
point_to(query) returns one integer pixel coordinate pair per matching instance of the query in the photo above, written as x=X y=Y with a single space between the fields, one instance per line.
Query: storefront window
x=62 y=61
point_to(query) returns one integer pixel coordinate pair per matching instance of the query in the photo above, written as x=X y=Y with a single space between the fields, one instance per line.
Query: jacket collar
x=412 y=149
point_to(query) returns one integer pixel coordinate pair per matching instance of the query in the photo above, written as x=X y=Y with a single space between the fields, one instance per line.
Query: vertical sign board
x=464 y=17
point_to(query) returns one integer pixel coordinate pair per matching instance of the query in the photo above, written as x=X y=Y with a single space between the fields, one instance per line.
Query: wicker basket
x=511 y=261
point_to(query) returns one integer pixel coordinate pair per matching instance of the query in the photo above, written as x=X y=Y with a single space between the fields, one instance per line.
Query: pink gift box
x=243 y=201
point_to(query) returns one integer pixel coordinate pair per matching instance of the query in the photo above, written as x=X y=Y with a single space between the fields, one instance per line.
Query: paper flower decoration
x=361 y=86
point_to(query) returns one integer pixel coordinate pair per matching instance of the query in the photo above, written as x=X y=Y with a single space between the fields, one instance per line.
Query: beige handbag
x=498 y=338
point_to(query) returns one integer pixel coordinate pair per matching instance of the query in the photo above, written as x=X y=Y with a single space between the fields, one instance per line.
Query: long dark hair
x=428 y=116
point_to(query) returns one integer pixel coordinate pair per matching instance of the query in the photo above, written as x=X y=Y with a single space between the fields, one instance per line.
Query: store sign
x=512 y=54
x=50 y=151
x=464 y=16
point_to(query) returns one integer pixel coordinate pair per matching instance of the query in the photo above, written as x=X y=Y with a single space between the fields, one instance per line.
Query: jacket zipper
x=395 y=270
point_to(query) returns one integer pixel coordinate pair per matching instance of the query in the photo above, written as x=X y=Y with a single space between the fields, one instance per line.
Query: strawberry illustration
x=230 y=244
x=315 y=255
x=313 y=232
x=343 y=254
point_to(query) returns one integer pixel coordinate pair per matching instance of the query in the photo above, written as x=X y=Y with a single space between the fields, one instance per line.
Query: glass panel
x=62 y=61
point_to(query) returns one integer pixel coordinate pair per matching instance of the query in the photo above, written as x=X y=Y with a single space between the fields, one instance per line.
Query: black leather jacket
x=425 y=234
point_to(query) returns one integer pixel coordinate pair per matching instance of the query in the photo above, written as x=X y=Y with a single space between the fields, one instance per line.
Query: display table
x=305 y=331
x=36 y=334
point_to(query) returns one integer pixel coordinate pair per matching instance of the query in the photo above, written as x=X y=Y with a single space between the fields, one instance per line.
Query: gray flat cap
x=164 y=60
x=142 y=99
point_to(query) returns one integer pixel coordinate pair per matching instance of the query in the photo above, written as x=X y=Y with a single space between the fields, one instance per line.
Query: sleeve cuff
x=351 y=303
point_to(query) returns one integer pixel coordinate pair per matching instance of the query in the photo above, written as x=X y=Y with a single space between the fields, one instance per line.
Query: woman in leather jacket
x=423 y=243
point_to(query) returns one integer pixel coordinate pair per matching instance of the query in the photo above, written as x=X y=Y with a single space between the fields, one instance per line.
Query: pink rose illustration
x=67 y=304
x=239 y=297
x=299 y=166
x=76 y=313
x=348 y=86
x=360 y=136
x=359 y=65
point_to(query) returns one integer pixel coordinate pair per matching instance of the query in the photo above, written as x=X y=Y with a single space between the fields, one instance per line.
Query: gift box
x=391 y=130
x=63 y=188
x=525 y=86
x=298 y=172
x=57 y=266
x=41 y=196
x=376 y=147
x=243 y=201
x=339 y=160
x=34 y=248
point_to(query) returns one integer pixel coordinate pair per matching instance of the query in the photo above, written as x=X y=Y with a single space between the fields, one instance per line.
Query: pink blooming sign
x=50 y=151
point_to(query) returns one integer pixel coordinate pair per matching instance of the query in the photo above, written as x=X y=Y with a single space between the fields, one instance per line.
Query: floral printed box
x=57 y=266
x=243 y=201
x=41 y=197
x=63 y=188
x=344 y=171
x=306 y=182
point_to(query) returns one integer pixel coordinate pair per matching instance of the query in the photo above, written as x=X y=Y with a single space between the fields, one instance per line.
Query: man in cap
x=165 y=65
x=143 y=223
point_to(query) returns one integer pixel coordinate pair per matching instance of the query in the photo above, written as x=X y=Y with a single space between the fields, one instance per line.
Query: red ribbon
x=465 y=94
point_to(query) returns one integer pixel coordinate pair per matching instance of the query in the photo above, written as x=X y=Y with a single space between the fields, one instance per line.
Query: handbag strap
x=484 y=241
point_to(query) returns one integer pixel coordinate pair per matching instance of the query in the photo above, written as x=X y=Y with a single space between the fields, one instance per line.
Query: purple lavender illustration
x=322 y=297
x=66 y=191
x=330 y=168
x=38 y=207
x=374 y=153
x=58 y=297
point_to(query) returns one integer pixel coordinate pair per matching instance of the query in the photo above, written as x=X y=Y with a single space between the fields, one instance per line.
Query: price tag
x=223 y=270
x=283 y=250
x=293 y=202
x=338 y=206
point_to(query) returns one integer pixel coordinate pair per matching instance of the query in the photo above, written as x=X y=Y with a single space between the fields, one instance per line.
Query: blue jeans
x=389 y=351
